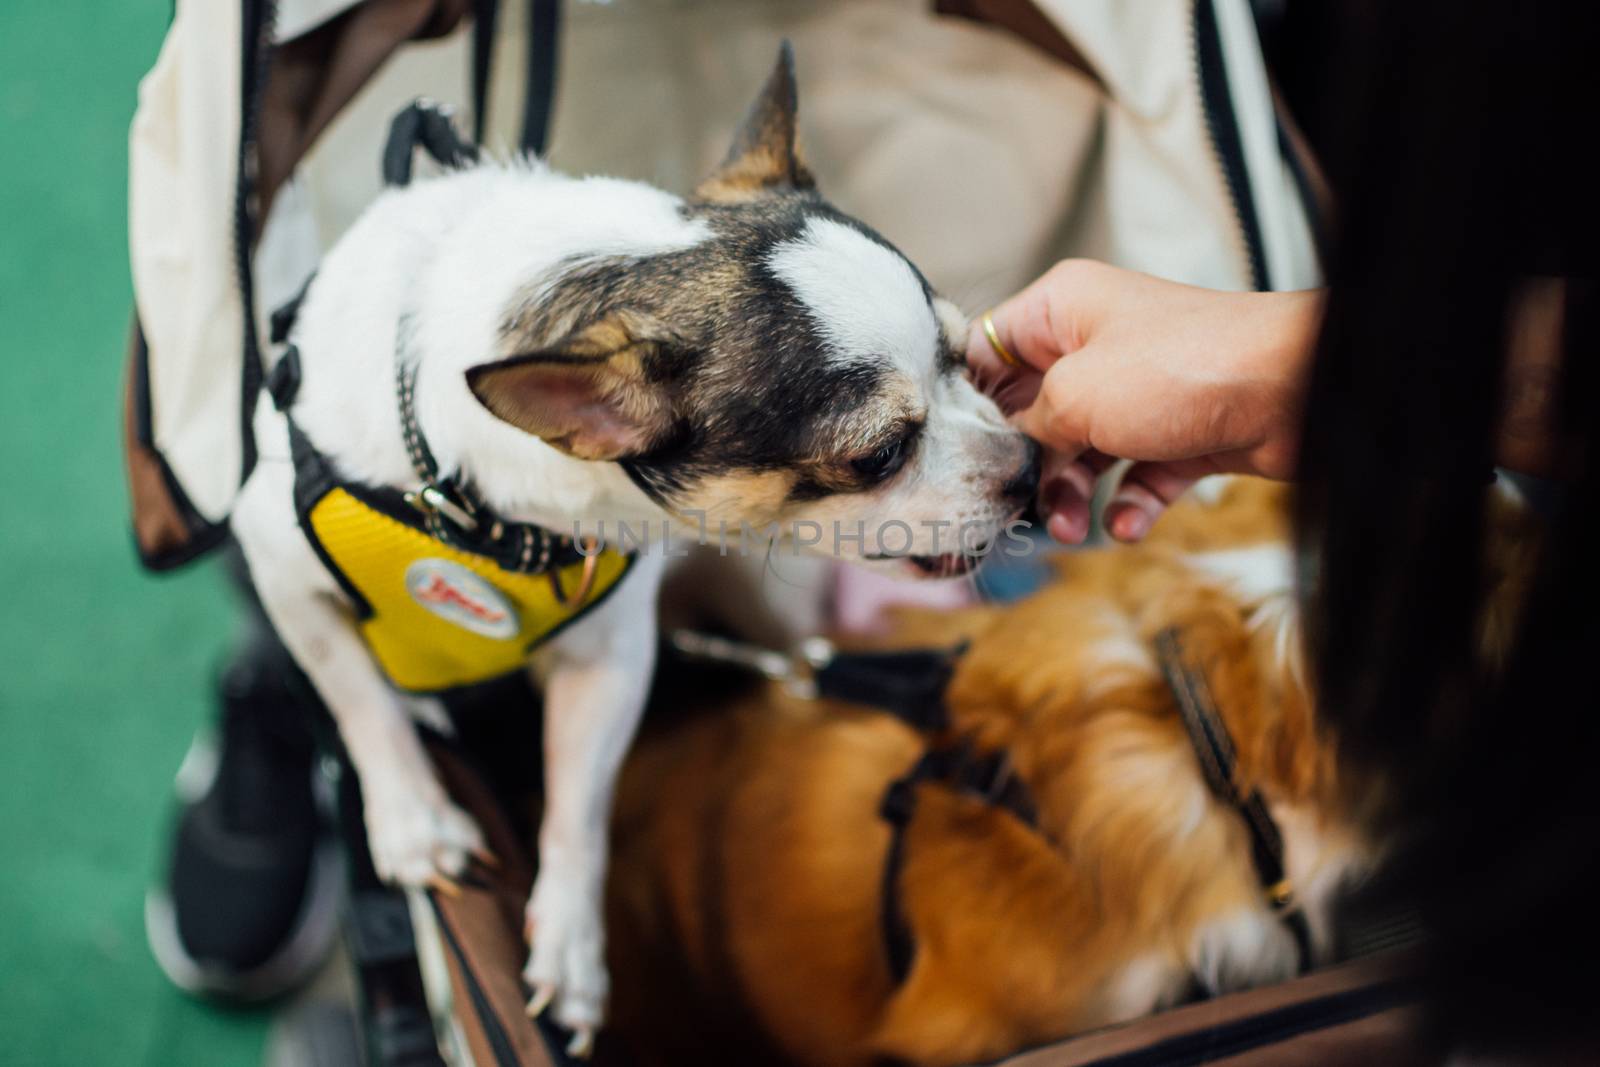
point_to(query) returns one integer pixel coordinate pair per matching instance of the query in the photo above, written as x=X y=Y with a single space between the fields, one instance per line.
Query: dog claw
x=444 y=886
x=487 y=858
x=543 y=994
x=582 y=1043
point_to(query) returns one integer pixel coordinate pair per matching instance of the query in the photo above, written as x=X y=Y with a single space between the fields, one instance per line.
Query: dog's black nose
x=1022 y=485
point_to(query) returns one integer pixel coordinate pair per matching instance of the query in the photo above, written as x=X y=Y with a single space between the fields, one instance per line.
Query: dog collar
x=453 y=511
x=457 y=515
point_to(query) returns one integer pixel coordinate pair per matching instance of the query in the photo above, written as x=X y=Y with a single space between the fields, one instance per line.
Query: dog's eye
x=882 y=463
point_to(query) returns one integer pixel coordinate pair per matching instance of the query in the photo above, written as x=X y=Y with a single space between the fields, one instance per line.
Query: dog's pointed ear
x=763 y=158
x=589 y=395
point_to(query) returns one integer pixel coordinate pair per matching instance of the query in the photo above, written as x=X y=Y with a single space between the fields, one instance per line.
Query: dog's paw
x=418 y=836
x=566 y=962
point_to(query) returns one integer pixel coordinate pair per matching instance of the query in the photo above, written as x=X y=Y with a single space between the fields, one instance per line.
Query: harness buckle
x=431 y=500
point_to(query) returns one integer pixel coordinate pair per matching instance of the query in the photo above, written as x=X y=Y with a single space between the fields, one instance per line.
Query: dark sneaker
x=251 y=901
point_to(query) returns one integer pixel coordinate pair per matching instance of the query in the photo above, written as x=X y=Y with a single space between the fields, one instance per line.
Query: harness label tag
x=457 y=595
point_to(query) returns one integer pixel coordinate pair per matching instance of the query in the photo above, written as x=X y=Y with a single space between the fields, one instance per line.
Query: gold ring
x=994 y=342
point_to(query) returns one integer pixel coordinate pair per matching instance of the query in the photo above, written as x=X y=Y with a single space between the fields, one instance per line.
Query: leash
x=1213 y=745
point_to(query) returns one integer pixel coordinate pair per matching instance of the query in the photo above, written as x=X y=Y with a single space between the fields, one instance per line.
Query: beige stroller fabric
x=186 y=442
x=980 y=153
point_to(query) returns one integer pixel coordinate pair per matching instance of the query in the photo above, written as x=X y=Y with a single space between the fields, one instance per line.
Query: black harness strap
x=909 y=685
x=1214 y=749
x=283 y=380
x=427 y=125
x=988 y=777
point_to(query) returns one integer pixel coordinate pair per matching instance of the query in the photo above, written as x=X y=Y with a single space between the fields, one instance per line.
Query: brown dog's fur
x=749 y=850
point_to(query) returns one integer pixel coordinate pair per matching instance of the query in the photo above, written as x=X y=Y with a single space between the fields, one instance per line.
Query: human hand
x=1184 y=381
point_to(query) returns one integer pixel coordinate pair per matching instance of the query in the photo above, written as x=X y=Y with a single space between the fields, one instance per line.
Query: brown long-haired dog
x=746 y=895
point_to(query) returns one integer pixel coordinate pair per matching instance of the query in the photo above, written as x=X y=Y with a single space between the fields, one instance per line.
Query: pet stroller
x=440 y=973
x=272 y=144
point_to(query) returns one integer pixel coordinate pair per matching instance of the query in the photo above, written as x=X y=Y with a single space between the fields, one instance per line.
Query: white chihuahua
x=569 y=352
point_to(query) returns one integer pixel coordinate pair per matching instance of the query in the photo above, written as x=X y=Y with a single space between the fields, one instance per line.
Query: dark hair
x=1458 y=141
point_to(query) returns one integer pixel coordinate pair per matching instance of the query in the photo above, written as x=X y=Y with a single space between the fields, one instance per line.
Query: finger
x=1019 y=331
x=1067 y=503
x=1066 y=486
x=1067 y=518
x=1146 y=490
x=1052 y=416
x=1012 y=389
x=1052 y=317
x=1015 y=393
x=1097 y=462
x=1055 y=315
x=984 y=364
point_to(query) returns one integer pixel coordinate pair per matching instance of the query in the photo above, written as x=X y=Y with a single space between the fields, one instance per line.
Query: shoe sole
x=314 y=928
x=289 y=967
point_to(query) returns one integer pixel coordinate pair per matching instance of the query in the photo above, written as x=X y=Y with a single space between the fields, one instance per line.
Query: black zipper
x=1222 y=125
x=255 y=55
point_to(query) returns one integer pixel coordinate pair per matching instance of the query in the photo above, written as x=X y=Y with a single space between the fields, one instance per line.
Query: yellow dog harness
x=433 y=615
x=441 y=601
x=446 y=593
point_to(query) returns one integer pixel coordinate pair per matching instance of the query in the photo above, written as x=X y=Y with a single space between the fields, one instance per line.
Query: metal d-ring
x=591 y=565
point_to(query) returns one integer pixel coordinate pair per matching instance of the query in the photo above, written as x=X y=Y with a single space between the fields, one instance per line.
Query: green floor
x=104 y=670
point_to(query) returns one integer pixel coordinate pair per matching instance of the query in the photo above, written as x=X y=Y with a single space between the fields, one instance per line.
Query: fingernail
x=1066 y=529
x=1131 y=524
